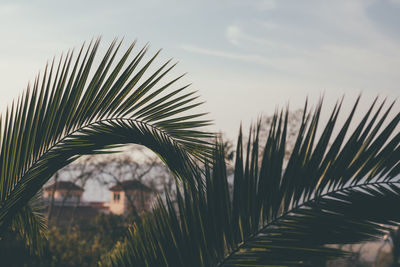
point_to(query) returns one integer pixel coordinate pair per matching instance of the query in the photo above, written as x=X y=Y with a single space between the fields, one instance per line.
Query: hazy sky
x=244 y=57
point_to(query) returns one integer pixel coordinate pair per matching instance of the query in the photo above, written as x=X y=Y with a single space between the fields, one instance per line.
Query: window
x=116 y=197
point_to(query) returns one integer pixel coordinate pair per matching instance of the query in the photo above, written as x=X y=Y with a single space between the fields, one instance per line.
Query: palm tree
x=333 y=190
x=76 y=109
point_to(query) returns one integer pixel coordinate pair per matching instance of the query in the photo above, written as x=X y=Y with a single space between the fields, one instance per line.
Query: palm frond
x=31 y=225
x=331 y=191
x=77 y=109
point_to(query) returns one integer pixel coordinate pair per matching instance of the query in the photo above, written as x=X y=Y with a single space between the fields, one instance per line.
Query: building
x=129 y=193
x=64 y=192
x=64 y=204
x=64 y=200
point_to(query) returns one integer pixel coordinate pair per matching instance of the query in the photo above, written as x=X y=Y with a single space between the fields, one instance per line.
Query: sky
x=245 y=58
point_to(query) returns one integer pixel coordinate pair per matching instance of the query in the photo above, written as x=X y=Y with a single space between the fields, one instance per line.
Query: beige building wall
x=121 y=206
x=117 y=204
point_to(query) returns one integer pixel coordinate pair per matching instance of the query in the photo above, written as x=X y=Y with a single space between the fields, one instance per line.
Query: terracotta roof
x=98 y=204
x=130 y=185
x=64 y=185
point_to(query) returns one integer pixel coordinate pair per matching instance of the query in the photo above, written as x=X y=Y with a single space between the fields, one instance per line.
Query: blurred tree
x=293 y=126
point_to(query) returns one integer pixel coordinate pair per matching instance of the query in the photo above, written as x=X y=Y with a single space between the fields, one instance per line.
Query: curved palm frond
x=76 y=109
x=331 y=191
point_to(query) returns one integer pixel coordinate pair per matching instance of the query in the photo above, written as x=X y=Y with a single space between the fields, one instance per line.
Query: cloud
x=236 y=36
x=265 y=4
x=8 y=9
x=338 y=65
x=355 y=44
x=253 y=58
x=260 y=5
x=233 y=34
x=276 y=63
x=395 y=2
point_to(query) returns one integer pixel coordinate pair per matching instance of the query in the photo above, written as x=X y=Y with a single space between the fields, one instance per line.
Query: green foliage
x=333 y=190
x=86 y=243
x=81 y=245
x=72 y=249
x=76 y=109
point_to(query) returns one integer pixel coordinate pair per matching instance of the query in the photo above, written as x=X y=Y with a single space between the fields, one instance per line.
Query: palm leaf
x=77 y=109
x=31 y=226
x=332 y=191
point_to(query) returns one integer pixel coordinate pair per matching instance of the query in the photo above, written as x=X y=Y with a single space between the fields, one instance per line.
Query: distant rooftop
x=130 y=185
x=66 y=185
